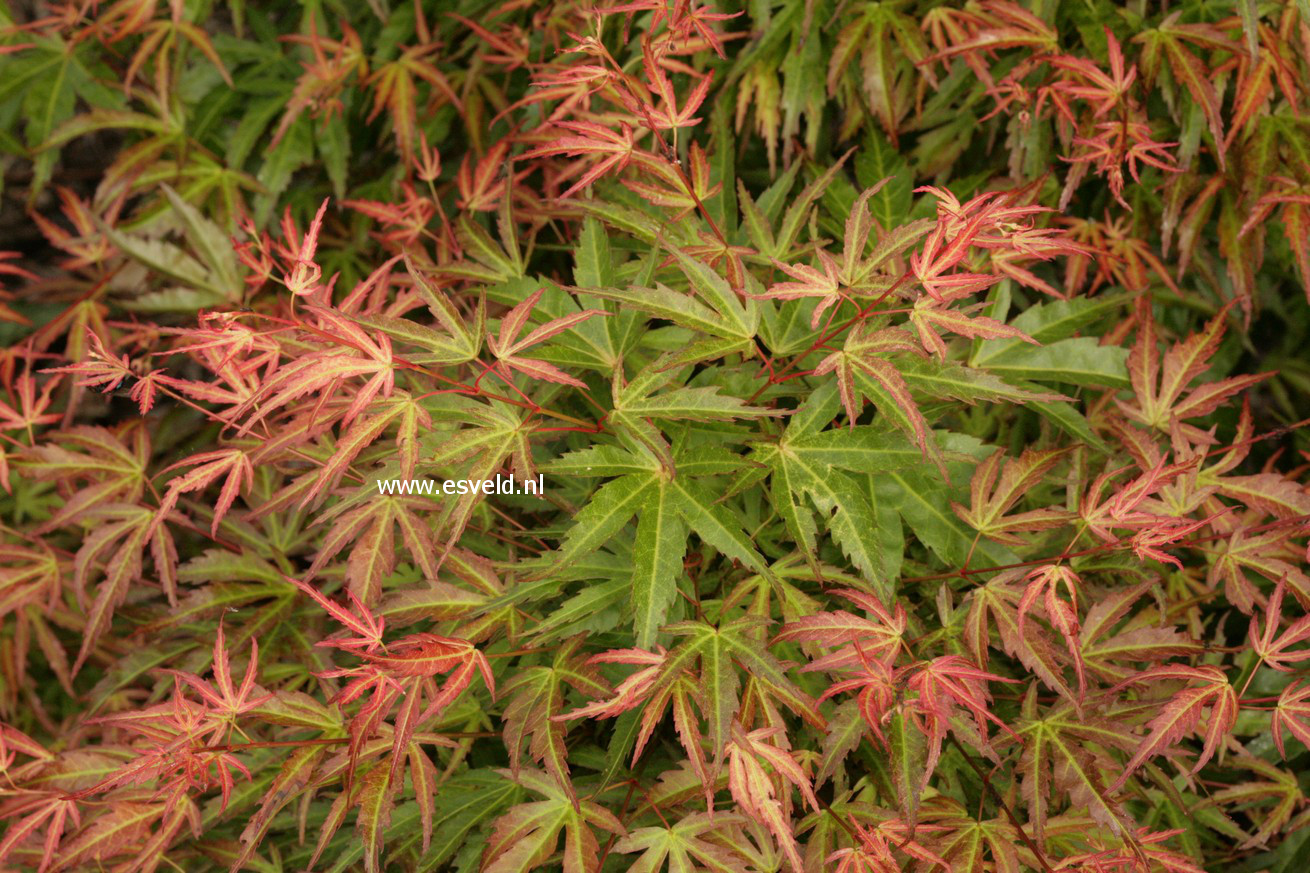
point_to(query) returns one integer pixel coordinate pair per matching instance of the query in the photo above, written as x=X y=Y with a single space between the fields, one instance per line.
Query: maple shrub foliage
x=918 y=389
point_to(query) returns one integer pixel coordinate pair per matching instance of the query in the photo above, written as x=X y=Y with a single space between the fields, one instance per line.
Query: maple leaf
x=232 y=464
x=1183 y=713
x=947 y=246
x=1107 y=91
x=497 y=433
x=478 y=181
x=1293 y=201
x=400 y=672
x=724 y=256
x=160 y=38
x=856 y=638
x=1142 y=849
x=1146 y=543
x=761 y=797
x=30 y=409
x=803 y=465
x=526 y=835
x=225 y=700
x=535 y=700
x=368 y=526
x=403 y=411
x=682 y=845
x=1268 y=554
x=103 y=370
x=325 y=371
x=668 y=116
x=425 y=655
x=1272 y=647
x=887 y=42
x=862 y=270
x=929 y=316
x=1161 y=392
x=104 y=465
x=996 y=603
x=1115 y=143
x=12 y=270
x=943 y=684
x=1189 y=70
x=1123 y=258
x=395 y=89
x=877 y=684
x=331 y=65
x=667 y=510
x=617 y=148
x=31 y=576
x=429 y=159
x=1068 y=753
x=680 y=192
x=125 y=826
x=636 y=406
x=998 y=24
x=176 y=753
x=690 y=18
x=809 y=282
x=631 y=692
x=407 y=221
x=125 y=533
x=360 y=620
x=87 y=245
x=507 y=345
x=1277 y=785
x=28 y=814
x=304 y=276
x=863 y=370
x=1124 y=508
x=701 y=670
x=1108 y=654
x=1292 y=713
x=1063 y=615
x=995 y=489
x=877 y=847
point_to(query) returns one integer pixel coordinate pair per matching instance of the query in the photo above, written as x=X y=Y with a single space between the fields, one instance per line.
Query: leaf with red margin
x=535 y=701
x=527 y=834
x=994 y=490
x=1272 y=647
x=1182 y=713
x=232 y=464
x=1292 y=713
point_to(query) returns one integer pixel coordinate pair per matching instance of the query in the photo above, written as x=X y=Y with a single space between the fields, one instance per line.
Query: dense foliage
x=917 y=389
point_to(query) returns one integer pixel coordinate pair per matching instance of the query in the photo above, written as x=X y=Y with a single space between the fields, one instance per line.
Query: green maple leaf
x=808 y=476
x=1064 y=753
x=537 y=694
x=637 y=406
x=681 y=847
x=668 y=506
x=527 y=834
